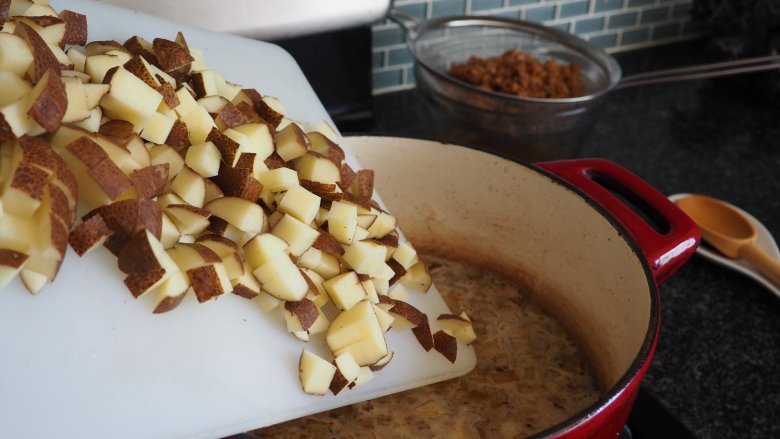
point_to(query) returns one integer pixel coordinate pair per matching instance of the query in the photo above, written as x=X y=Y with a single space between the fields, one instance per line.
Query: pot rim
x=645 y=354
x=596 y=54
x=646 y=350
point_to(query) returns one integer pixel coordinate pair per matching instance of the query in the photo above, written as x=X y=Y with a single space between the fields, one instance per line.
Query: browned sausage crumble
x=520 y=74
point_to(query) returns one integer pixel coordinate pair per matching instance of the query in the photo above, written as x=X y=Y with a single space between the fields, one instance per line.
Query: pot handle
x=665 y=234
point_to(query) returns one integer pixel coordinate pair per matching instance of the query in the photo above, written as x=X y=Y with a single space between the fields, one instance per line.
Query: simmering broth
x=529 y=376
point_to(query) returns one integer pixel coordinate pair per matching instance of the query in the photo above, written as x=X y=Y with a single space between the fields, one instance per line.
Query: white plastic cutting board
x=84 y=359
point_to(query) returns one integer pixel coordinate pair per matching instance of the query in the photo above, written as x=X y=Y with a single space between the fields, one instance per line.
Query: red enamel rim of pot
x=661 y=239
x=665 y=251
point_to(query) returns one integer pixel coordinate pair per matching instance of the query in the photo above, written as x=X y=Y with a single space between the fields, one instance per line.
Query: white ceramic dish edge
x=764 y=240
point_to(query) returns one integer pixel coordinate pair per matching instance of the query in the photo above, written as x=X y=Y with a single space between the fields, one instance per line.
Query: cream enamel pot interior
x=594 y=264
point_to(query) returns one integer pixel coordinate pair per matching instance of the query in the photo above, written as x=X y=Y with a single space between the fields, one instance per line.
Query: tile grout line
x=619 y=39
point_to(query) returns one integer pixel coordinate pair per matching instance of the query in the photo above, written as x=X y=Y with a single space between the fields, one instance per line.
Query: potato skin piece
x=30 y=180
x=6 y=133
x=76 y=29
x=168 y=304
x=136 y=256
x=126 y=218
x=228 y=147
x=138 y=283
x=150 y=181
x=446 y=345
x=118 y=128
x=205 y=282
x=179 y=137
x=88 y=234
x=423 y=334
x=325 y=242
x=43 y=58
x=170 y=55
x=5 y=6
x=338 y=383
x=238 y=182
x=243 y=291
x=305 y=310
x=50 y=106
x=11 y=258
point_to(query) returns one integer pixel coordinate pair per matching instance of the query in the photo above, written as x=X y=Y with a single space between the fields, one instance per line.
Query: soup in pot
x=530 y=374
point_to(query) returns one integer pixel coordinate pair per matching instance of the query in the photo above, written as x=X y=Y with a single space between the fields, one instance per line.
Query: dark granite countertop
x=717 y=368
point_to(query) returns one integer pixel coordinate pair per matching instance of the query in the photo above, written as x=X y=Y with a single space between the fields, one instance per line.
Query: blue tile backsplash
x=589 y=25
x=573 y=9
x=607 y=5
x=622 y=21
x=612 y=24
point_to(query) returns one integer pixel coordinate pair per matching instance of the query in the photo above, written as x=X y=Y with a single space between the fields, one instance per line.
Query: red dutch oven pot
x=563 y=230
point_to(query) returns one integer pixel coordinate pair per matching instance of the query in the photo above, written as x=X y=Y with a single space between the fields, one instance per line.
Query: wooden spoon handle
x=767 y=265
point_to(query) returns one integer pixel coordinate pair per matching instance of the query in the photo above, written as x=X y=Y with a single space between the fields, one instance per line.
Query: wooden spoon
x=729 y=232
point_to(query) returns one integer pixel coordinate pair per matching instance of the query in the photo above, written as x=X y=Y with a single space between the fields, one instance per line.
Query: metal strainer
x=522 y=127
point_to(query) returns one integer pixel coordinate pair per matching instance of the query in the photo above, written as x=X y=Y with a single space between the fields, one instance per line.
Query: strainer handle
x=408 y=22
x=702 y=71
